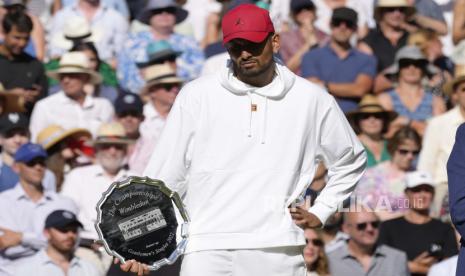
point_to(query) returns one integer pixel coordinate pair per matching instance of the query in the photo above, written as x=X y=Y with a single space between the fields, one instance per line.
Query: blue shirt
x=19 y=213
x=189 y=63
x=324 y=64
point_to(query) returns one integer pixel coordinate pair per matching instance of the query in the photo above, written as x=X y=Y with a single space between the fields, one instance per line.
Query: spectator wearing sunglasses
x=382 y=186
x=161 y=88
x=14 y=133
x=305 y=36
x=361 y=255
x=162 y=16
x=24 y=208
x=66 y=149
x=62 y=232
x=410 y=99
x=315 y=257
x=371 y=122
x=344 y=71
x=85 y=185
x=424 y=239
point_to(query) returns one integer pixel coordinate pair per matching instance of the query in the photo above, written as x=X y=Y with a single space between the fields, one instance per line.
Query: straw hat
x=75 y=62
x=157 y=74
x=53 y=134
x=13 y=102
x=459 y=77
x=154 y=5
x=409 y=52
x=157 y=52
x=382 y=4
x=369 y=105
x=111 y=133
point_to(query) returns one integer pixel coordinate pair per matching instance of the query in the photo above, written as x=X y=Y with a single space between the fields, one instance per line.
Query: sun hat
x=111 y=133
x=12 y=102
x=384 y=4
x=53 y=134
x=154 y=5
x=459 y=77
x=247 y=21
x=157 y=52
x=75 y=62
x=369 y=104
x=409 y=52
x=158 y=74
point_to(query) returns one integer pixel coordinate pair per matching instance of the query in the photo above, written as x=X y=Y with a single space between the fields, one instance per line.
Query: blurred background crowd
x=86 y=86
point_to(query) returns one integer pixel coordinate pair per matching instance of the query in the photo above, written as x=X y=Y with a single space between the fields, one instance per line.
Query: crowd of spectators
x=86 y=87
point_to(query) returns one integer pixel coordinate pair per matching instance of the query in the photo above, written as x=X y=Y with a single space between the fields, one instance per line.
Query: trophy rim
x=175 y=198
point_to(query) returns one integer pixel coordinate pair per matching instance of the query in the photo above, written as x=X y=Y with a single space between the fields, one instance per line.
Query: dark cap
x=128 y=102
x=246 y=21
x=61 y=218
x=28 y=152
x=346 y=14
x=13 y=121
x=297 y=5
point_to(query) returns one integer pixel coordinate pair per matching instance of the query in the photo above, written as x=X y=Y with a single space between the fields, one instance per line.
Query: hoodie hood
x=275 y=90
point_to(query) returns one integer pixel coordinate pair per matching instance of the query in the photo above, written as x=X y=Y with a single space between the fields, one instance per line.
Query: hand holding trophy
x=137 y=221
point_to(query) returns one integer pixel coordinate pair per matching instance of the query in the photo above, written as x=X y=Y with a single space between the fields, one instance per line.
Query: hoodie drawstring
x=250 y=113
x=264 y=118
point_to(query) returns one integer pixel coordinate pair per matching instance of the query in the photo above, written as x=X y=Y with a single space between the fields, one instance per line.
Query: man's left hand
x=9 y=238
x=304 y=218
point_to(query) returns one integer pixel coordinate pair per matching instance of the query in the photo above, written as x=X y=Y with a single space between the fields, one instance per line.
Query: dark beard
x=252 y=73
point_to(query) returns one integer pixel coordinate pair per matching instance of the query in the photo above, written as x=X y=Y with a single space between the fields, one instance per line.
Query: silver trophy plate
x=136 y=219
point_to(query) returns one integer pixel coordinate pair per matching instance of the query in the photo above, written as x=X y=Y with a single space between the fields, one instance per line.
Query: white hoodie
x=238 y=170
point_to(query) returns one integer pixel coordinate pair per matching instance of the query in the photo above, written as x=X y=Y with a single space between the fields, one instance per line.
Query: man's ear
x=276 y=43
x=15 y=167
x=47 y=234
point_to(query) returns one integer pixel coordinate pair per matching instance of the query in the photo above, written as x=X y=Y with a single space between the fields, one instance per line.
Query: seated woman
x=410 y=99
x=371 y=121
x=66 y=149
x=314 y=254
x=382 y=187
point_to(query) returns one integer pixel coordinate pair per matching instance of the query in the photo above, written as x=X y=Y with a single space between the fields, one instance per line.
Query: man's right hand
x=421 y=263
x=134 y=266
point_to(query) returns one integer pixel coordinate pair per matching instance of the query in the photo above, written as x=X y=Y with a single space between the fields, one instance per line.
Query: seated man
x=424 y=239
x=85 y=186
x=24 y=208
x=345 y=72
x=72 y=107
x=14 y=133
x=61 y=231
x=361 y=255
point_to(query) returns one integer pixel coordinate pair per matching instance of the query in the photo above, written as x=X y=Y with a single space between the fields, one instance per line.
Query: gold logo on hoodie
x=253 y=107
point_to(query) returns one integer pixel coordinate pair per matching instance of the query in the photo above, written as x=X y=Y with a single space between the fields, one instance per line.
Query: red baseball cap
x=246 y=21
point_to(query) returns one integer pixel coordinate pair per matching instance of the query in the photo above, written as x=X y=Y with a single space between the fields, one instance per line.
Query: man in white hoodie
x=241 y=146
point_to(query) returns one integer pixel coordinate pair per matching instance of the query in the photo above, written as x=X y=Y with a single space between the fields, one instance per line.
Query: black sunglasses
x=315 y=242
x=169 y=86
x=362 y=226
x=130 y=113
x=393 y=9
x=338 y=22
x=405 y=152
x=109 y=146
x=404 y=63
x=36 y=161
x=171 y=10
x=365 y=116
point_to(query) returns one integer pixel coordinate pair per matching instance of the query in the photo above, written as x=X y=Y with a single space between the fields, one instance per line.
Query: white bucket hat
x=409 y=52
x=75 y=62
x=158 y=74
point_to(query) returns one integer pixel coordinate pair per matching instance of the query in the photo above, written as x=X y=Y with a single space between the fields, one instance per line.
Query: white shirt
x=437 y=143
x=41 y=265
x=63 y=111
x=153 y=123
x=85 y=185
x=444 y=268
x=19 y=213
x=109 y=30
